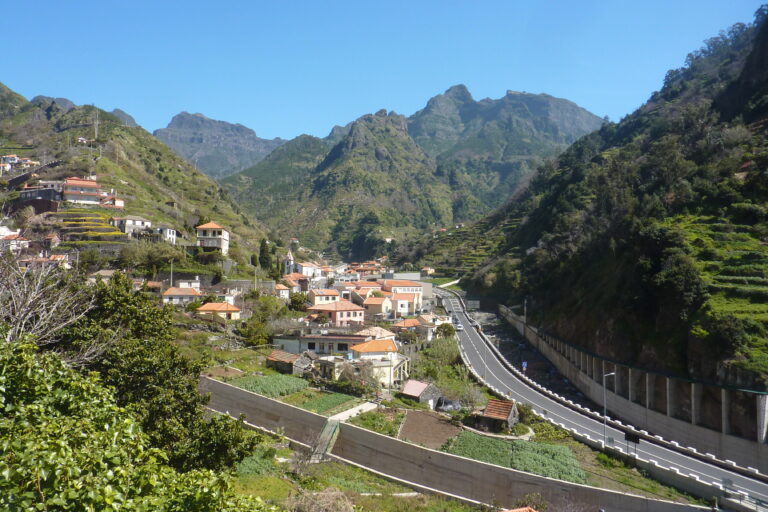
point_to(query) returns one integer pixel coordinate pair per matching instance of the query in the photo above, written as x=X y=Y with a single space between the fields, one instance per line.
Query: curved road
x=488 y=366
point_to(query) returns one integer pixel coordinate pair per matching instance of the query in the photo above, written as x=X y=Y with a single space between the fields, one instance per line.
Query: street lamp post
x=605 y=408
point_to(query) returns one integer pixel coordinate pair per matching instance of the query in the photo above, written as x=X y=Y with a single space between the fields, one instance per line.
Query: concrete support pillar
x=725 y=411
x=648 y=390
x=670 y=397
x=762 y=418
x=695 y=402
x=630 y=385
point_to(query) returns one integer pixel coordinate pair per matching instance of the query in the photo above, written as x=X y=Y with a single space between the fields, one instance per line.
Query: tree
x=298 y=301
x=67 y=443
x=445 y=330
x=42 y=301
x=154 y=380
x=265 y=256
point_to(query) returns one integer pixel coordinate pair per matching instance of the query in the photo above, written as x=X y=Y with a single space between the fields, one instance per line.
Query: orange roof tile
x=181 y=292
x=375 y=346
x=325 y=292
x=410 y=297
x=498 y=409
x=408 y=322
x=209 y=225
x=282 y=356
x=218 y=307
x=279 y=286
x=375 y=300
x=339 y=305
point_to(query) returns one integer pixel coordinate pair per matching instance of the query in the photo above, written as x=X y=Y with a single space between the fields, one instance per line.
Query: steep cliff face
x=645 y=241
x=215 y=147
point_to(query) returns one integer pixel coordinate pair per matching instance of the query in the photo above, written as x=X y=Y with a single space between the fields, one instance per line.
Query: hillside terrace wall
x=418 y=467
x=297 y=424
x=692 y=414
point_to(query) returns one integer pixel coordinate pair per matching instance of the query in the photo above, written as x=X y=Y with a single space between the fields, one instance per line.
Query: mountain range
x=386 y=177
x=215 y=147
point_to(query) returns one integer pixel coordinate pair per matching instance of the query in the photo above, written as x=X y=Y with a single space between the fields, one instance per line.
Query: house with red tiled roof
x=377 y=307
x=341 y=313
x=283 y=291
x=211 y=236
x=222 y=310
x=388 y=366
x=498 y=415
x=323 y=296
x=13 y=242
x=180 y=296
x=406 y=294
x=81 y=191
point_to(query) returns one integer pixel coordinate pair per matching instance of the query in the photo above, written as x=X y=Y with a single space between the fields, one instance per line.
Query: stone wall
x=419 y=467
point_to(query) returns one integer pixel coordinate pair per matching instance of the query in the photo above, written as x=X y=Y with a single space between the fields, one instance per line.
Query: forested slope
x=646 y=240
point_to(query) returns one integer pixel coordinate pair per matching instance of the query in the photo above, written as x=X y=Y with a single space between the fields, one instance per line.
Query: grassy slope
x=139 y=167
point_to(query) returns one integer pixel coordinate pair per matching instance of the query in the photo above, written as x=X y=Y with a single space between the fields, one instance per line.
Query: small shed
x=422 y=392
x=282 y=361
x=498 y=415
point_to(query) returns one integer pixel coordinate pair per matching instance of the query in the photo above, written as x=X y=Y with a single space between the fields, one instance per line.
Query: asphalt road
x=486 y=363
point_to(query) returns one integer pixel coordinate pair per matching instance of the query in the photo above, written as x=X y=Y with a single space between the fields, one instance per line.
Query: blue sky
x=286 y=68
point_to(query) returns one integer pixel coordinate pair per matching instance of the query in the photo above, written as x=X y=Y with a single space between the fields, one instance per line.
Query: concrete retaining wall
x=744 y=452
x=420 y=467
x=297 y=424
x=476 y=480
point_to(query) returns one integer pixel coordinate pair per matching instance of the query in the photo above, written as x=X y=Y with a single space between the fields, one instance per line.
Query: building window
x=342 y=347
x=311 y=345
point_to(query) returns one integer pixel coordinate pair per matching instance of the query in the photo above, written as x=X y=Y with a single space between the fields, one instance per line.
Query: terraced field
x=733 y=261
x=460 y=251
x=79 y=226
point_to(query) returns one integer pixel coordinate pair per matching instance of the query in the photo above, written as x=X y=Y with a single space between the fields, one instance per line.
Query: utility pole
x=171 y=273
x=96 y=126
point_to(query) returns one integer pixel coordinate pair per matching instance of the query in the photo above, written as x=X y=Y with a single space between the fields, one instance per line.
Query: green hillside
x=645 y=241
x=452 y=161
x=155 y=183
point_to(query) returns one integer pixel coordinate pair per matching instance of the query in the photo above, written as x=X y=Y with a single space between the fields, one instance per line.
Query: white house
x=389 y=367
x=322 y=296
x=180 y=296
x=131 y=224
x=213 y=236
x=283 y=292
x=13 y=242
x=166 y=233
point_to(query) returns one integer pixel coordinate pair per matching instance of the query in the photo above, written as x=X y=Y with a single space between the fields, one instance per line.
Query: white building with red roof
x=180 y=296
x=341 y=313
x=220 y=310
x=323 y=296
x=213 y=236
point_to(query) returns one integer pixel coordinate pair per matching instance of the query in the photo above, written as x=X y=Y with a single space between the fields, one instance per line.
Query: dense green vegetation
x=539 y=458
x=65 y=441
x=155 y=183
x=644 y=241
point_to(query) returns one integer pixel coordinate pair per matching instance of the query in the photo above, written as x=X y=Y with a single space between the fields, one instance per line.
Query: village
x=353 y=326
